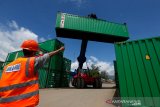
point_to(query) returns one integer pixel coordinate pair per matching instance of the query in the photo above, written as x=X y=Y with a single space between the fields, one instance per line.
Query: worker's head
x=30 y=47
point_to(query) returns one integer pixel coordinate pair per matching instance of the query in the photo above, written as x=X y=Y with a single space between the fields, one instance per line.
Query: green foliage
x=94 y=71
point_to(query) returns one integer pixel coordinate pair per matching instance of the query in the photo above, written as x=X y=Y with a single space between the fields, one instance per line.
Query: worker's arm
x=41 y=60
x=55 y=52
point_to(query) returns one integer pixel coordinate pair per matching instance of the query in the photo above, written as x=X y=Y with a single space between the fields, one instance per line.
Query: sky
x=35 y=19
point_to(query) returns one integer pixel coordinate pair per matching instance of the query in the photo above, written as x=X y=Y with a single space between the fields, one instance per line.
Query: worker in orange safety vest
x=19 y=82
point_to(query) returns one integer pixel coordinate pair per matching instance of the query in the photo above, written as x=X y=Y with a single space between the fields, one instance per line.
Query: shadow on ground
x=110 y=86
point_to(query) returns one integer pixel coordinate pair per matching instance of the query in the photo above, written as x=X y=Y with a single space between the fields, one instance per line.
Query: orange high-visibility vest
x=19 y=84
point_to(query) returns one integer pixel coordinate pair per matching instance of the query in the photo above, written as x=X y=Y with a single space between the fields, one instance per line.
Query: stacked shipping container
x=65 y=79
x=53 y=67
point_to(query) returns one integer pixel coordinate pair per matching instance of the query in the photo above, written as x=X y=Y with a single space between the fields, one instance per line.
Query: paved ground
x=71 y=97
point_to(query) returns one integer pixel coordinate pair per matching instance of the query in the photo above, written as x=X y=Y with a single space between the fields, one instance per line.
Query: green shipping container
x=49 y=75
x=76 y=27
x=138 y=68
x=66 y=64
x=43 y=72
x=65 y=80
x=65 y=76
x=14 y=55
x=54 y=79
x=50 y=45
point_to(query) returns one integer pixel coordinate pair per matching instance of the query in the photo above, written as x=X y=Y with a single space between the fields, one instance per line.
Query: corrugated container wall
x=14 y=55
x=138 y=68
x=73 y=26
x=65 y=77
x=53 y=67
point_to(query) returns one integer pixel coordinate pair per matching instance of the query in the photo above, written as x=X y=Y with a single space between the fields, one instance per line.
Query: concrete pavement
x=71 y=97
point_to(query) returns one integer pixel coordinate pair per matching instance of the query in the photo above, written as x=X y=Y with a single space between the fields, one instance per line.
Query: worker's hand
x=62 y=48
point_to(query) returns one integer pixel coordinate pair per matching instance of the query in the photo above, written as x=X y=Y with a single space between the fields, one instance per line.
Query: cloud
x=74 y=65
x=42 y=39
x=11 y=37
x=93 y=58
x=103 y=65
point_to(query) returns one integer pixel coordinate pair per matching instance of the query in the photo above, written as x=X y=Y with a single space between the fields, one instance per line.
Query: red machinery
x=84 y=77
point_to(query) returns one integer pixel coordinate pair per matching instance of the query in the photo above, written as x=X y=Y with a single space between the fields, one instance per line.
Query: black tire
x=97 y=83
x=80 y=83
x=85 y=86
x=74 y=82
x=100 y=83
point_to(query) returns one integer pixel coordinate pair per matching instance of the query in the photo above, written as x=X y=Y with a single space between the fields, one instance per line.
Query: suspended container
x=77 y=27
x=138 y=68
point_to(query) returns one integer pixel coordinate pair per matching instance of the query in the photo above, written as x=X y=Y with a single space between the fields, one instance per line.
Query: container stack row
x=65 y=79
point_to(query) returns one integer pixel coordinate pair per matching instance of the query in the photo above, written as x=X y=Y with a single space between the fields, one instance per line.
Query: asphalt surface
x=71 y=97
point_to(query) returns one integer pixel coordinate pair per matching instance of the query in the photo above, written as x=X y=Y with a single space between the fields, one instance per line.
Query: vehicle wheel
x=85 y=86
x=97 y=83
x=100 y=83
x=80 y=83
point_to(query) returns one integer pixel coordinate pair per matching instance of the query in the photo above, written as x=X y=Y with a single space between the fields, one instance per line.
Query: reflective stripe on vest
x=18 y=85
x=19 y=97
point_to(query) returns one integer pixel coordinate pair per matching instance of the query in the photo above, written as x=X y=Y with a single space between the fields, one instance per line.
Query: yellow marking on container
x=148 y=57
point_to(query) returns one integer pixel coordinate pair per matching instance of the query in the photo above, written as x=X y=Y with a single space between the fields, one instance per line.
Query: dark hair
x=28 y=53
